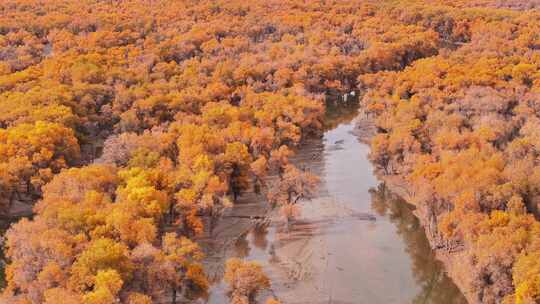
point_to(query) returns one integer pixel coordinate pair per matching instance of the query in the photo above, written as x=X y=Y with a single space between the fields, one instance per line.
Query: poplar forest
x=129 y=130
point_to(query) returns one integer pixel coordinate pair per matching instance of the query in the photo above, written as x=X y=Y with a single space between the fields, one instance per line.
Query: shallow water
x=354 y=243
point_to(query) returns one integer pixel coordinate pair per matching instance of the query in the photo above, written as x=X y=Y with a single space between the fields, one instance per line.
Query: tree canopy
x=127 y=122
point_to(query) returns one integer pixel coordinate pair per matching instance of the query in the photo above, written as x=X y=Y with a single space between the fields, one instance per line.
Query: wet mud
x=356 y=242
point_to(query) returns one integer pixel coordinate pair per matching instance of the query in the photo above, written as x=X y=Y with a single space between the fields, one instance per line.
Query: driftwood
x=364 y=216
x=251 y=217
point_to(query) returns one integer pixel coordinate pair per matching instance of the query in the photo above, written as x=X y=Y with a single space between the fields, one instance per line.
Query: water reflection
x=242 y=247
x=259 y=238
x=259 y=243
x=338 y=112
x=436 y=287
x=432 y=284
x=355 y=243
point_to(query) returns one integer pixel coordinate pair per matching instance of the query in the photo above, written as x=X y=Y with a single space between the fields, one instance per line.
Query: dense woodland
x=462 y=128
x=124 y=123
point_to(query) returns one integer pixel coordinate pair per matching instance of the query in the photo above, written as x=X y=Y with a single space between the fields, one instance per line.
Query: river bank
x=452 y=260
x=356 y=242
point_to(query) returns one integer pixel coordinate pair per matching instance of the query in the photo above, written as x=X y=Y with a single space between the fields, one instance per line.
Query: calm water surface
x=342 y=256
x=335 y=253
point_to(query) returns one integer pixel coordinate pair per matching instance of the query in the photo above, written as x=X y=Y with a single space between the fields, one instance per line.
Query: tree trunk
x=171 y=214
x=235 y=194
x=213 y=218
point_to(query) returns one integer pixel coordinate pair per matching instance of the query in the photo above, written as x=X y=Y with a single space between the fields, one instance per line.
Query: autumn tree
x=30 y=154
x=292 y=186
x=96 y=237
x=245 y=279
x=193 y=108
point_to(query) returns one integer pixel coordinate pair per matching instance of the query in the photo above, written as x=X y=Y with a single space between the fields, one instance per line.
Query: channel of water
x=355 y=243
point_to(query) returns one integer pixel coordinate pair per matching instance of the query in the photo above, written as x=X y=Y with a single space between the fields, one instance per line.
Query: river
x=355 y=243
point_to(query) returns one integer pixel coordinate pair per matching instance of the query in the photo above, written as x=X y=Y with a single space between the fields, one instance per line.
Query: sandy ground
x=340 y=250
